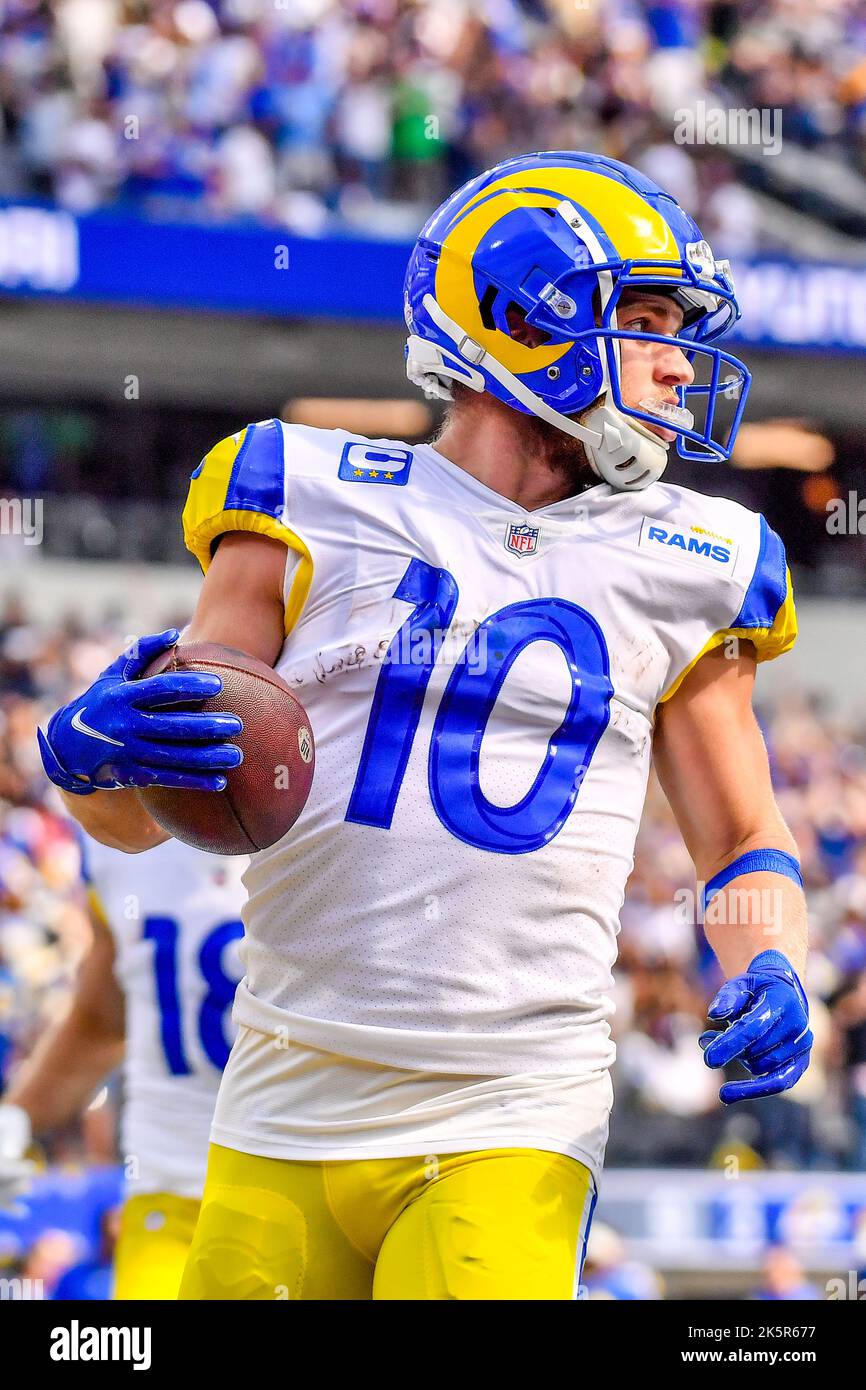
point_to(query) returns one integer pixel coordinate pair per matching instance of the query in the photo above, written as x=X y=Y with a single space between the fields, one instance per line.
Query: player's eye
x=637 y=325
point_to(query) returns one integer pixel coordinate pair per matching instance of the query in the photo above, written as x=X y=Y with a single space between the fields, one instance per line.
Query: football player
x=492 y=634
x=155 y=992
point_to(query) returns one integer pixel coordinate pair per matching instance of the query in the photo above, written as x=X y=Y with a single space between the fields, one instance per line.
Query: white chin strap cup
x=621 y=451
x=629 y=457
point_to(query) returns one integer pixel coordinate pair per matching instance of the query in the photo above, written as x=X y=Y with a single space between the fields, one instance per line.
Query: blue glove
x=110 y=737
x=768 y=1028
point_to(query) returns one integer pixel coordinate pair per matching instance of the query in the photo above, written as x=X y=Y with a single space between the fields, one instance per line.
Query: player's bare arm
x=711 y=760
x=712 y=763
x=76 y=1055
x=241 y=603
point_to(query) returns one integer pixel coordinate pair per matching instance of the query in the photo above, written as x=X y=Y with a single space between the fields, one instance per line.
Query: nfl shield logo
x=521 y=539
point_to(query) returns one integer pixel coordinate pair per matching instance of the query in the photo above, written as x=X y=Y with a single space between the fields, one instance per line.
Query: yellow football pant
x=156 y=1232
x=494 y=1224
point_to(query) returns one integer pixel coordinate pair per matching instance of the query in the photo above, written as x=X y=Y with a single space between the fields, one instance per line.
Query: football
x=266 y=793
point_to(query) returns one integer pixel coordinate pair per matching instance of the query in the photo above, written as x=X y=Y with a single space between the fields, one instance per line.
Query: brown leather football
x=267 y=792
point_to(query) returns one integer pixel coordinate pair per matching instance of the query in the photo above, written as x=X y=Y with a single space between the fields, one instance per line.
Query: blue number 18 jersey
x=174 y=914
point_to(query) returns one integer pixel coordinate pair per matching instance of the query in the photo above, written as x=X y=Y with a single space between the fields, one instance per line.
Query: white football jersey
x=481 y=682
x=175 y=916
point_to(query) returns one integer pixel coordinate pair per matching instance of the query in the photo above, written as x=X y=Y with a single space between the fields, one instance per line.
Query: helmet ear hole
x=520 y=330
x=485 y=306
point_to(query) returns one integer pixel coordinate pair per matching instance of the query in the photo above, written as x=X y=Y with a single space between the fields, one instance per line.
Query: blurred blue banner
x=112 y=258
x=73 y=1199
x=727 y=1219
x=109 y=258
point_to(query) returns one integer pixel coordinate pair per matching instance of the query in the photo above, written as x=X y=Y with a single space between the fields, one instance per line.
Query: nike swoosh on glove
x=767 y=1018
x=132 y=731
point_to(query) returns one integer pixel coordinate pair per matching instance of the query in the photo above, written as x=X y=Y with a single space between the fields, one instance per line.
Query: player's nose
x=672 y=367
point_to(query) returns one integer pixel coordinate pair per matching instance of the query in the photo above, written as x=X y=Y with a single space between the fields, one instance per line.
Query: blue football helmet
x=559 y=236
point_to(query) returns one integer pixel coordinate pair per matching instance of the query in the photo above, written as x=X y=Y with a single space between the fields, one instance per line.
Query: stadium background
x=205 y=210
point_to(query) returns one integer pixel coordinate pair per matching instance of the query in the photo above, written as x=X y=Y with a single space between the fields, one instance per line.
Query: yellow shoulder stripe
x=97 y=910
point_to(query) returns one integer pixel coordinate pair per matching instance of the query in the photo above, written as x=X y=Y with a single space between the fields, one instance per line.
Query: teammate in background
x=154 y=992
x=417 y=1102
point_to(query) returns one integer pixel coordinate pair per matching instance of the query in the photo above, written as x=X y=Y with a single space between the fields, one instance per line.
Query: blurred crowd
x=315 y=113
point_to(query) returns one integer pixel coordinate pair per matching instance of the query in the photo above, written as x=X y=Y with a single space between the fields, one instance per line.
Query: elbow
x=138 y=844
x=117 y=819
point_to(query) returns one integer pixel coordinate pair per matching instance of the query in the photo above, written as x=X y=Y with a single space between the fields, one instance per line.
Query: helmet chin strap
x=624 y=453
x=630 y=456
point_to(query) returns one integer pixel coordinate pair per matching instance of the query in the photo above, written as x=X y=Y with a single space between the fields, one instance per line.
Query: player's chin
x=665 y=435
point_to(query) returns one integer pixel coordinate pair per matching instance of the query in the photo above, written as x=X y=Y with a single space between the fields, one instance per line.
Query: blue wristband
x=775 y=960
x=756 y=861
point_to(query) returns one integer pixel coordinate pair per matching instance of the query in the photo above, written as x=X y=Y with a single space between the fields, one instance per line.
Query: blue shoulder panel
x=769 y=585
x=256 y=482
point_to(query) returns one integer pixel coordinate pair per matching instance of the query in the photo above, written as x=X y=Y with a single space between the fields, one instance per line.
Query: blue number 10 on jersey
x=466 y=706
